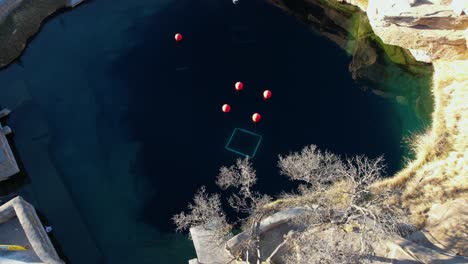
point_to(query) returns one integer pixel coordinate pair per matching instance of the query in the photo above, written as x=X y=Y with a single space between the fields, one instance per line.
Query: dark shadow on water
x=11 y=188
x=52 y=238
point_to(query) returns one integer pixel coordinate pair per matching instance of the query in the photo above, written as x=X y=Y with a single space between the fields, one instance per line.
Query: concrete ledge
x=193 y=261
x=207 y=248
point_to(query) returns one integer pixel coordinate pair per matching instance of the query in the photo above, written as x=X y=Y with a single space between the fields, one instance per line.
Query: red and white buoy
x=256 y=117
x=226 y=108
x=239 y=86
x=266 y=94
x=178 y=37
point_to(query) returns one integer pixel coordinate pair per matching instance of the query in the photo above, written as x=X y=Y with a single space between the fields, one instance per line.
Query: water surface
x=107 y=121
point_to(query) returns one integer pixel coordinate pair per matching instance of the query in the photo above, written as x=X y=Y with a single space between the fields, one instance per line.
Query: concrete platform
x=208 y=250
x=20 y=225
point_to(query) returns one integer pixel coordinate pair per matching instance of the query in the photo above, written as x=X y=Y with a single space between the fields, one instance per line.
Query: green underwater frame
x=239 y=152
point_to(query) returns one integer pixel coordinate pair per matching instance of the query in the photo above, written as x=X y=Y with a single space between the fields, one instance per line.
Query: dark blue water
x=125 y=138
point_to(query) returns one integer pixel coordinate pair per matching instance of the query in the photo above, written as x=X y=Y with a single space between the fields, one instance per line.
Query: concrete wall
x=8 y=165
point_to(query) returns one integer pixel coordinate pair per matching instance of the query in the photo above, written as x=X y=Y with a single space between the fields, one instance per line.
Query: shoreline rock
x=20 y=20
x=6 y=7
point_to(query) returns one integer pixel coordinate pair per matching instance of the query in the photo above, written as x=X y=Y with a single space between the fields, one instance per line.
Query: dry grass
x=439 y=172
x=337 y=195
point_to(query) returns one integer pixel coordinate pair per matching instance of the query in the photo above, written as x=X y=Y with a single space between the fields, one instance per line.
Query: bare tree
x=205 y=211
x=329 y=246
x=365 y=210
x=311 y=166
x=318 y=236
x=241 y=175
x=362 y=173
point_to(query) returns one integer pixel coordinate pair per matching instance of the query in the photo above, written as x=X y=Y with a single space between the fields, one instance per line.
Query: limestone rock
x=406 y=251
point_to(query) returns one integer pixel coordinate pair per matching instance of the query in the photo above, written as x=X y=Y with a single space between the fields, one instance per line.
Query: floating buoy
x=266 y=94
x=256 y=117
x=226 y=108
x=178 y=37
x=239 y=86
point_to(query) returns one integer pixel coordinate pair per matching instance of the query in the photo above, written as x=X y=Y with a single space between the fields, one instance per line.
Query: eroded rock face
x=386 y=70
x=434 y=28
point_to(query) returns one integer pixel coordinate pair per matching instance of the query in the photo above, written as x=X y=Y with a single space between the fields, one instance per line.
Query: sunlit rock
x=447 y=223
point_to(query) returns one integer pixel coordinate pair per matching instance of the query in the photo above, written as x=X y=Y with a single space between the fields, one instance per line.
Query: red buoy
x=256 y=117
x=178 y=37
x=239 y=86
x=226 y=108
x=266 y=94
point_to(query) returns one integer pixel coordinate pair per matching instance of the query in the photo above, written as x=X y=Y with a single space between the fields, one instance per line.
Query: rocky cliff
x=435 y=183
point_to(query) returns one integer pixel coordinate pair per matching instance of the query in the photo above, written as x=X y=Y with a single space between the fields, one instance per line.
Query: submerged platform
x=20 y=225
x=243 y=142
x=8 y=165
